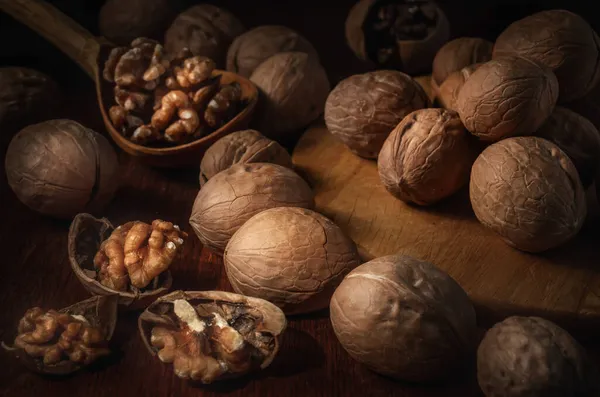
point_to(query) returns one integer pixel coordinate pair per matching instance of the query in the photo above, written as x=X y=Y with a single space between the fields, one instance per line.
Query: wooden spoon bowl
x=92 y=52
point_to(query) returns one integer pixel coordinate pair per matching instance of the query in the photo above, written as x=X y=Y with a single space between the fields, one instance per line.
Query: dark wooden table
x=34 y=268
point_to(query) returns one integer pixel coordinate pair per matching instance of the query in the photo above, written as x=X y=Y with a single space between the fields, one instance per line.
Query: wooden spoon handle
x=66 y=34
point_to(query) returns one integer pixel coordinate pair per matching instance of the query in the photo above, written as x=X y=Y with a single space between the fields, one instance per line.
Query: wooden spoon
x=91 y=52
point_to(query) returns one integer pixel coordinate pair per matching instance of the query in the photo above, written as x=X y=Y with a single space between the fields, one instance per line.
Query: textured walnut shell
x=86 y=233
x=562 y=41
x=27 y=96
x=241 y=147
x=60 y=168
x=447 y=94
x=457 y=54
x=507 y=97
x=410 y=56
x=404 y=318
x=236 y=194
x=578 y=138
x=531 y=356
x=204 y=29
x=588 y=106
x=253 y=47
x=363 y=109
x=123 y=21
x=294 y=87
x=292 y=257
x=100 y=311
x=427 y=157
x=527 y=190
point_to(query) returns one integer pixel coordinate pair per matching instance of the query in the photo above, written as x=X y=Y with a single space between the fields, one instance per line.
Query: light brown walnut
x=187 y=122
x=458 y=54
x=448 y=92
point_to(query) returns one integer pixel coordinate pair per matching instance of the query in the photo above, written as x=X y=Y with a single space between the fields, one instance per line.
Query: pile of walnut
x=167 y=99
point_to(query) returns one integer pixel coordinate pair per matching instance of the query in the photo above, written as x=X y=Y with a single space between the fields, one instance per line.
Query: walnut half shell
x=85 y=236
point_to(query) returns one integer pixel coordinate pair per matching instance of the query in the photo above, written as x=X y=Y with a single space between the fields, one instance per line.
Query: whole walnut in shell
x=241 y=147
x=236 y=194
x=577 y=137
x=533 y=357
x=124 y=21
x=253 y=47
x=60 y=168
x=398 y=34
x=528 y=191
x=507 y=97
x=457 y=54
x=427 y=157
x=562 y=41
x=405 y=318
x=26 y=96
x=588 y=106
x=292 y=257
x=363 y=109
x=294 y=87
x=447 y=95
x=204 y=29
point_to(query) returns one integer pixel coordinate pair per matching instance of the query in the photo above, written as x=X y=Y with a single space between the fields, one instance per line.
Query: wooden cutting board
x=562 y=285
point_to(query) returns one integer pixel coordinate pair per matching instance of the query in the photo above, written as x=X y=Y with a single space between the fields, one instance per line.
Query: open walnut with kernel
x=63 y=341
x=212 y=335
x=131 y=260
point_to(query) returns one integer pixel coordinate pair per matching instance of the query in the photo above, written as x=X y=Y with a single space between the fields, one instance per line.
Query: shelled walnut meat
x=292 y=257
x=404 y=318
x=59 y=168
x=253 y=47
x=528 y=191
x=448 y=92
x=209 y=336
x=60 y=342
x=397 y=34
x=427 y=157
x=362 y=110
x=560 y=40
x=167 y=99
x=531 y=356
x=241 y=147
x=507 y=97
x=236 y=194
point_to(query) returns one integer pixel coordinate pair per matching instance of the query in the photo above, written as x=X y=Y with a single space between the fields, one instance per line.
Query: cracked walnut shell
x=292 y=257
x=64 y=341
x=212 y=335
x=362 y=110
x=404 y=318
x=528 y=191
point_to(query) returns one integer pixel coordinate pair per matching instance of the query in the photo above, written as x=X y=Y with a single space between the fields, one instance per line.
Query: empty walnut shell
x=99 y=311
x=562 y=41
x=447 y=95
x=241 y=147
x=507 y=97
x=363 y=109
x=528 y=191
x=86 y=233
x=253 y=47
x=260 y=323
x=427 y=157
x=398 y=34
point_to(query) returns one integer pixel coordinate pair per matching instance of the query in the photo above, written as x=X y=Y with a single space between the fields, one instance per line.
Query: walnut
x=448 y=92
x=175 y=102
x=458 y=54
x=560 y=40
x=588 y=106
x=427 y=157
x=132 y=100
x=64 y=341
x=527 y=190
x=404 y=318
x=531 y=356
x=363 y=109
x=507 y=97
x=234 y=195
x=224 y=105
x=577 y=137
x=400 y=34
x=123 y=121
x=295 y=88
x=206 y=30
x=253 y=47
x=241 y=147
x=293 y=257
x=212 y=335
x=193 y=71
x=60 y=168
